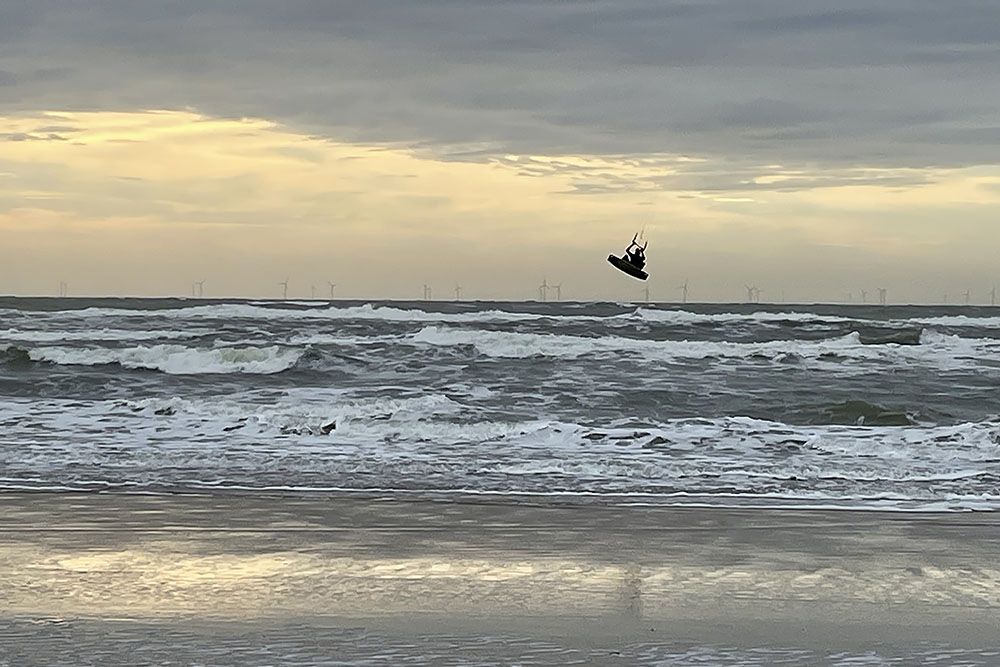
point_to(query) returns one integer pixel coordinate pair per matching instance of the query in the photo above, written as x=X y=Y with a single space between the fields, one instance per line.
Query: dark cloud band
x=907 y=84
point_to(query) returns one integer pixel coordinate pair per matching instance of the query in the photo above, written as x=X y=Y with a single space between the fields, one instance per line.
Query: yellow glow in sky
x=144 y=203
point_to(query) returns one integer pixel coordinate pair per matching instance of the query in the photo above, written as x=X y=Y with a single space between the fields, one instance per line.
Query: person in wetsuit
x=637 y=257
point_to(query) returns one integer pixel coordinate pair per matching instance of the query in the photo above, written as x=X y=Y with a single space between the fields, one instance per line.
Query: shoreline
x=584 y=573
x=566 y=499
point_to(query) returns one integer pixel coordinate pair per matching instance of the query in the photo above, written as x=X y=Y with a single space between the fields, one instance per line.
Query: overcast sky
x=814 y=149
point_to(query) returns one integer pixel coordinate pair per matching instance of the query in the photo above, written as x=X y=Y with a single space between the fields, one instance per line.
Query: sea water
x=871 y=407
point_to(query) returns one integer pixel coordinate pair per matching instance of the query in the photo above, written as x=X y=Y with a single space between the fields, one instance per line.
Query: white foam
x=679 y=316
x=232 y=311
x=313 y=303
x=521 y=345
x=307 y=406
x=359 y=421
x=323 y=311
x=320 y=310
x=38 y=336
x=312 y=438
x=176 y=359
x=958 y=321
x=958 y=347
x=942 y=351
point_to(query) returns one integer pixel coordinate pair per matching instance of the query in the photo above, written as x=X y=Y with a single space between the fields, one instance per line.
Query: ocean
x=732 y=405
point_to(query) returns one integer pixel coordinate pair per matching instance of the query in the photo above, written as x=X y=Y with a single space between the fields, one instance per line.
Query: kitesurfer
x=637 y=257
x=633 y=260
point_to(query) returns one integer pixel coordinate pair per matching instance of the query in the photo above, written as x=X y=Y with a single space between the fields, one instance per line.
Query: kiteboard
x=627 y=267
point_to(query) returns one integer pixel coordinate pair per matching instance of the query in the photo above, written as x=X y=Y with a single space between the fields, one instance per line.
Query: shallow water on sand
x=246 y=578
x=80 y=642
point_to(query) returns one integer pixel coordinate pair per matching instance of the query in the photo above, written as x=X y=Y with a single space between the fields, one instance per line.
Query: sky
x=812 y=149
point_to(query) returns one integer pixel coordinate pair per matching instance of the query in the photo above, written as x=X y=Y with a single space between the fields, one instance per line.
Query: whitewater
x=864 y=407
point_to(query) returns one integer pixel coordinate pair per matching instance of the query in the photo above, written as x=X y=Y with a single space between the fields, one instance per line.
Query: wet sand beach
x=341 y=577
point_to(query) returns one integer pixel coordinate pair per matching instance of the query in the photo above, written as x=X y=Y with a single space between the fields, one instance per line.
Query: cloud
x=906 y=84
x=679 y=174
x=31 y=136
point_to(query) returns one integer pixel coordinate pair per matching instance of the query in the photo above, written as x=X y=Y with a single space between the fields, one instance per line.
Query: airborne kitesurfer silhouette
x=633 y=261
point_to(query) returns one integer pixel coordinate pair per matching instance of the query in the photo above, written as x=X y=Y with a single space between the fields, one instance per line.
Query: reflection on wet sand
x=166 y=578
x=806 y=579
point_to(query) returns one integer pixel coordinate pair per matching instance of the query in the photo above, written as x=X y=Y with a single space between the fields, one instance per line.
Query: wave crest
x=518 y=345
x=177 y=359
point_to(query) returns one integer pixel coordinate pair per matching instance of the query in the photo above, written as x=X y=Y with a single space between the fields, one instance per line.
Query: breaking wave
x=110 y=335
x=250 y=311
x=176 y=359
x=940 y=349
x=314 y=311
x=937 y=349
x=522 y=345
x=319 y=311
x=659 y=315
x=321 y=439
x=959 y=321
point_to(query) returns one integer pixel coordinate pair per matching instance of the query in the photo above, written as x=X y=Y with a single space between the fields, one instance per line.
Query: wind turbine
x=543 y=291
x=558 y=289
x=458 y=292
x=993 y=296
x=881 y=296
x=332 y=285
x=967 y=297
x=864 y=296
x=312 y=291
x=684 y=291
x=201 y=288
x=63 y=288
x=427 y=293
x=753 y=294
x=645 y=293
x=284 y=289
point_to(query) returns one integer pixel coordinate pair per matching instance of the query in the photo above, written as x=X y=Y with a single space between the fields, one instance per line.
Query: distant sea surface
x=893 y=408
